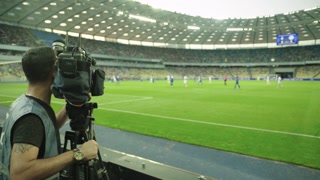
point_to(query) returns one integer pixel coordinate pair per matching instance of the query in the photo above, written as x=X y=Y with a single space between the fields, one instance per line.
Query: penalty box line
x=214 y=124
x=124 y=101
x=137 y=98
x=116 y=102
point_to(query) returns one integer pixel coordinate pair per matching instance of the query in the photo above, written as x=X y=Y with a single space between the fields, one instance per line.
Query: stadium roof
x=130 y=22
x=225 y=9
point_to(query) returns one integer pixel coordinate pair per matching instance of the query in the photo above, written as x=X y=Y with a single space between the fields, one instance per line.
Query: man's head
x=38 y=64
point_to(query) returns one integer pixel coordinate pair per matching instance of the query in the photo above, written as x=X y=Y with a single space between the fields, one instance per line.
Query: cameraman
x=30 y=137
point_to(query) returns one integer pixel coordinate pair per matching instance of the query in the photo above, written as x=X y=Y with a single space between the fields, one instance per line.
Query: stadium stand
x=136 y=62
x=46 y=37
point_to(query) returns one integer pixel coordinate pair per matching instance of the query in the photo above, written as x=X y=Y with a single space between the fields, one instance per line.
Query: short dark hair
x=37 y=63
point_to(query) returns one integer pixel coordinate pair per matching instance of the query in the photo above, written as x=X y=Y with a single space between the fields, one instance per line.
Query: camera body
x=76 y=79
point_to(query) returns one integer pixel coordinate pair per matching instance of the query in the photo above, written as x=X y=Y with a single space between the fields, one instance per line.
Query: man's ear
x=55 y=66
x=54 y=70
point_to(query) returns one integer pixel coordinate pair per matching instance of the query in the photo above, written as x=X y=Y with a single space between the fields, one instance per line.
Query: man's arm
x=25 y=165
x=62 y=117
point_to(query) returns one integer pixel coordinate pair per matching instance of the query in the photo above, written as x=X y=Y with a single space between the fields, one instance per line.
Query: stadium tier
x=136 y=62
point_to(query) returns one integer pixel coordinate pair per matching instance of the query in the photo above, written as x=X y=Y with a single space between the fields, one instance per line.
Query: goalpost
x=272 y=76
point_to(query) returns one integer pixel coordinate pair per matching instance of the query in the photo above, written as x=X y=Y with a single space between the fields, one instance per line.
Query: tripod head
x=81 y=117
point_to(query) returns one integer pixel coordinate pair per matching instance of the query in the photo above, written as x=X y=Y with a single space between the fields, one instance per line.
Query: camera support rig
x=82 y=130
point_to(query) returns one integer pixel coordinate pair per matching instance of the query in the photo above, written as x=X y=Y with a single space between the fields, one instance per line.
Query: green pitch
x=260 y=120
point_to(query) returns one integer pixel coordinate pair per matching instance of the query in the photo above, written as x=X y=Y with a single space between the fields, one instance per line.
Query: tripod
x=82 y=126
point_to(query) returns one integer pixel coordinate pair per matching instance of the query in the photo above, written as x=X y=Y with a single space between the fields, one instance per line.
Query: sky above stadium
x=223 y=9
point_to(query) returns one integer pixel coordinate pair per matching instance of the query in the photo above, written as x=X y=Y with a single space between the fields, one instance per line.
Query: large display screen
x=287 y=39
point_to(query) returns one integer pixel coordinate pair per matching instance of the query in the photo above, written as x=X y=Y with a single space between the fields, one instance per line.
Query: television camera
x=76 y=80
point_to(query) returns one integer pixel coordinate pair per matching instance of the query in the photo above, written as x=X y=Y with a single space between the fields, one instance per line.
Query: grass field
x=264 y=121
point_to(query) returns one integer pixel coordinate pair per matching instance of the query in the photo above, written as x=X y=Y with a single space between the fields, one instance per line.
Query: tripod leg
x=70 y=172
x=95 y=168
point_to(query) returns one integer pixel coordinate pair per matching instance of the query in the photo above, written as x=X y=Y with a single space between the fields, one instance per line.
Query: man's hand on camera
x=89 y=149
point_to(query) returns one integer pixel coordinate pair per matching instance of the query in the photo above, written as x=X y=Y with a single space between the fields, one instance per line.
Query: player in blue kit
x=237 y=83
x=171 y=80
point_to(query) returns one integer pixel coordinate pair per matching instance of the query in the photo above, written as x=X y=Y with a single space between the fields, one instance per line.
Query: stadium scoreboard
x=287 y=39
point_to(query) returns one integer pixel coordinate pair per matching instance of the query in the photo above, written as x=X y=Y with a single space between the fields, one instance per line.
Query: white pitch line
x=116 y=102
x=126 y=95
x=215 y=124
x=9 y=96
x=14 y=97
x=5 y=102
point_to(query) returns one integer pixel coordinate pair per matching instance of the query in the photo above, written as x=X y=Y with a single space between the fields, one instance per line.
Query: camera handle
x=93 y=169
